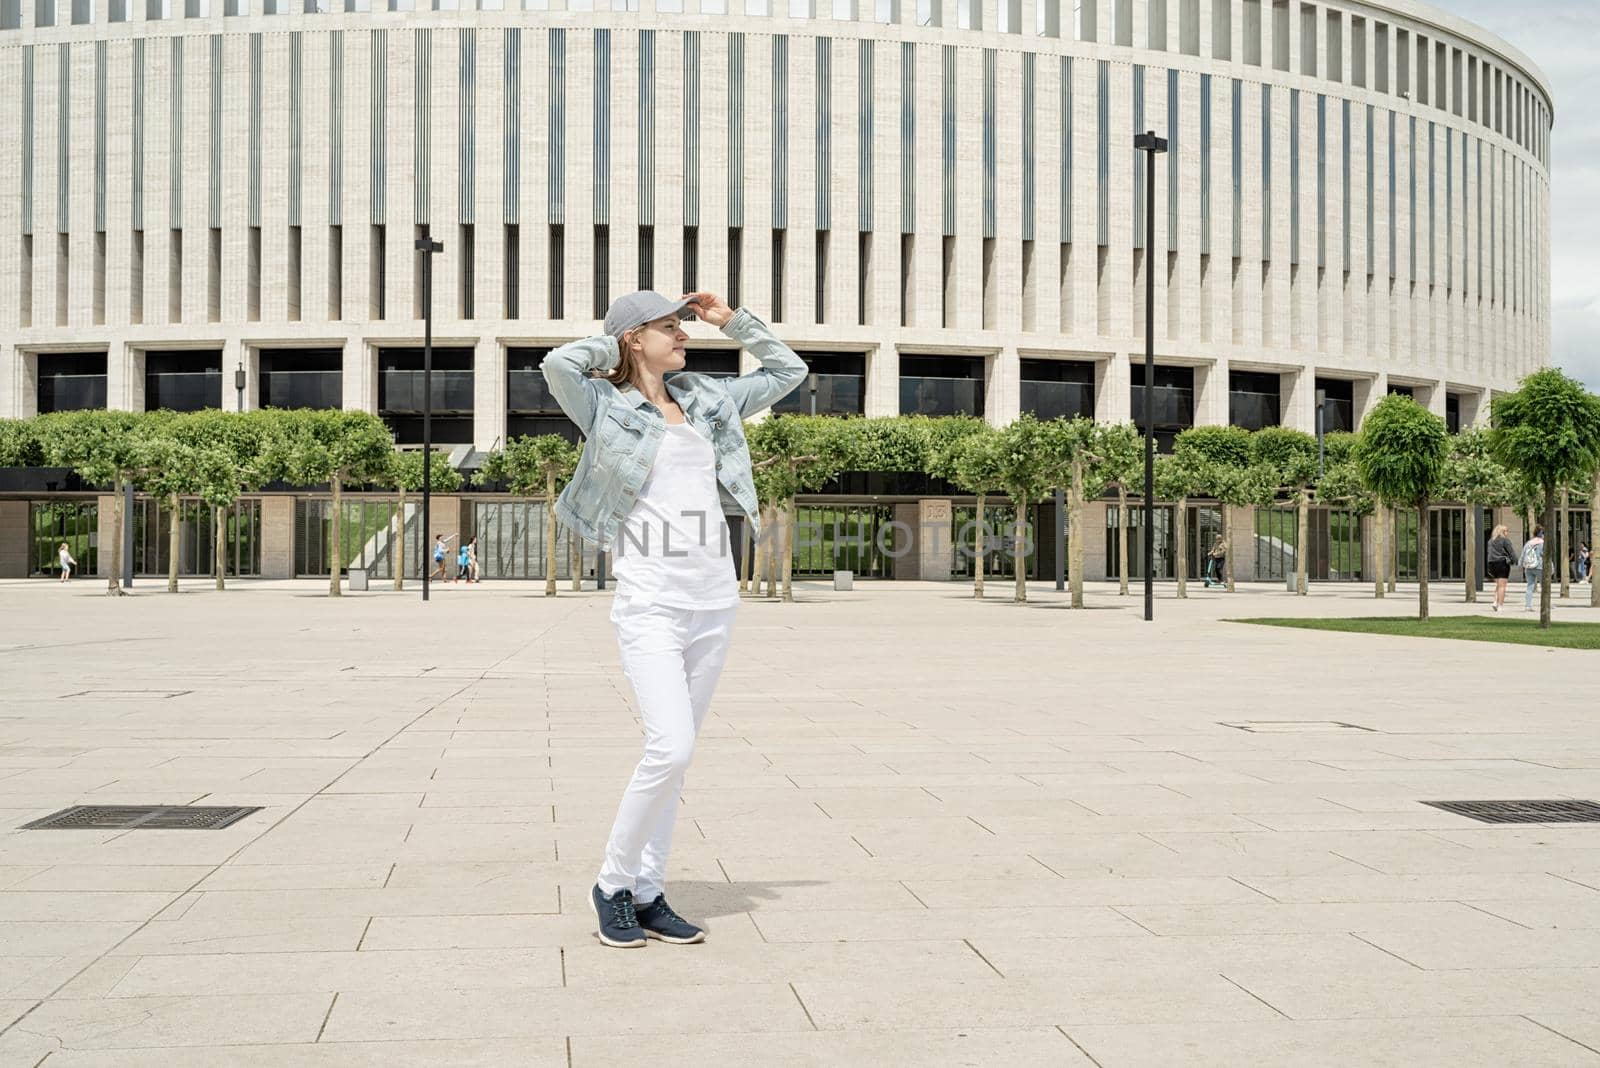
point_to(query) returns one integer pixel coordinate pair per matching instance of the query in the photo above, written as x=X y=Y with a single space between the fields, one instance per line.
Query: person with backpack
x=1532 y=561
x=1501 y=556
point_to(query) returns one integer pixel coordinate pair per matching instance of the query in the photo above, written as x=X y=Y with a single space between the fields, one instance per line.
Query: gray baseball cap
x=639 y=308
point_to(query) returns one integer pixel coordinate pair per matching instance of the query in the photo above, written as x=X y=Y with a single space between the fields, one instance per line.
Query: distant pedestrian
x=1532 y=560
x=68 y=562
x=440 y=547
x=463 y=564
x=1215 y=561
x=1501 y=556
x=1585 y=563
x=472 y=560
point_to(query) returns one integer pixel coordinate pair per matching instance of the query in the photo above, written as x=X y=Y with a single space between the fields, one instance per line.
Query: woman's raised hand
x=708 y=307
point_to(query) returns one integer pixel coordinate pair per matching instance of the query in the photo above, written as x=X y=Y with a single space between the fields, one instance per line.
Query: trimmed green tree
x=174 y=468
x=1475 y=478
x=105 y=448
x=1548 y=434
x=403 y=474
x=791 y=454
x=530 y=465
x=972 y=462
x=1402 y=458
x=232 y=454
x=1177 y=479
x=1029 y=465
x=338 y=448
x=1288 y=460
x=22 y=443
x=1080 y=454
x=1219 y=457
x=1122 y=449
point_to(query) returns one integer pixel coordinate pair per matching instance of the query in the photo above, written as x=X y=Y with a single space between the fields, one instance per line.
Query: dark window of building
x=184 y=381
x=1338 y=405
x=717 y=363
x=1253 y=399
x=400 y=394
x=1452 y=412
x=941 y=385
x=69 y=383
x=1173 y=399
x=1404 y=391
x=1058 y=389
x=530 y=409
x=302 y=378
x=838 y=378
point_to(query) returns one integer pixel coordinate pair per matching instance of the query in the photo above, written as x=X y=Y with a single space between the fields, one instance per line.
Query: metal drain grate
x=1292 y=726
x=142 y=818
x=1555 y=811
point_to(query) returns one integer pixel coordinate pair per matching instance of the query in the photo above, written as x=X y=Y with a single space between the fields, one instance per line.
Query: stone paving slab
x=920 y=830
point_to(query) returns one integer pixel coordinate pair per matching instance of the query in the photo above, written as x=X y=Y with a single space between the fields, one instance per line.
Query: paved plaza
x=921 y=831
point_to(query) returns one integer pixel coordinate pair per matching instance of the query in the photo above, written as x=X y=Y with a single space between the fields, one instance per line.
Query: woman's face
x=658 y=346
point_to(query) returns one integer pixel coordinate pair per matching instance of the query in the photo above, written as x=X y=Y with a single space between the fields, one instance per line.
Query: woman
x=68 y=562
x=1532 y=566
x=661 y=465
x=1501 y=557
x=472 y=560
x=440 y=570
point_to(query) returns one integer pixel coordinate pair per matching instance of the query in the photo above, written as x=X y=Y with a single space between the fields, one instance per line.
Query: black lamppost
x=811 y=380
x=238 y=384
x=427 y=246
x=1151 y=146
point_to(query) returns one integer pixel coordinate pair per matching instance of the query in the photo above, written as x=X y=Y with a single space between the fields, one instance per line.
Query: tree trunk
x=400 y=544
x=1075 y=534
x=1422 y=559
x=1302 y=539
x=1394 y=547
x=220 y=546
x=978 y=547
x=1182 y=562
x=114 y=583
x=1019 y=556
x=1227 y=542
x=336 y=553
x=1122 y=541
x=1472 y=569
x=172 y=543
x=1380 y=553
x=576 y=544
x=1544 y=580
x=550 y=534
x=1564 y=527
x=788 y=549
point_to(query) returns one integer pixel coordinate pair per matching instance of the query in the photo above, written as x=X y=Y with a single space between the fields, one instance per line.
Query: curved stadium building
x=204 y=203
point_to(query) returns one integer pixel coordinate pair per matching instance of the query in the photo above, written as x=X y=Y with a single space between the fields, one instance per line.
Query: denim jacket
x=624 y=430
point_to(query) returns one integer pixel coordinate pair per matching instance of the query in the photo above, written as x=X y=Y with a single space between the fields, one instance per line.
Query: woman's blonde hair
x=626 y=372
x=1500 y=531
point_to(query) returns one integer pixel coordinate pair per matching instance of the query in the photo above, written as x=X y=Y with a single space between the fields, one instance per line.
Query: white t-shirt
x=674 y=548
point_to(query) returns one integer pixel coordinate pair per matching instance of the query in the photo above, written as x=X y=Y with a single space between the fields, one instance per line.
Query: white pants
x=673 y=658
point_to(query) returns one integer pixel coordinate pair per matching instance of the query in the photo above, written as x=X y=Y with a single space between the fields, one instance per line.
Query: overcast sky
x=1560 y=36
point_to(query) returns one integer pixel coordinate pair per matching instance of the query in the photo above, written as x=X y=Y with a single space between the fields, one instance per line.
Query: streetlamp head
x=428 y=244
x=1149 y=142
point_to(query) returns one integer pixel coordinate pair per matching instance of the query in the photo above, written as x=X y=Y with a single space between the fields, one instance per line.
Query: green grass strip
x=1487 y=628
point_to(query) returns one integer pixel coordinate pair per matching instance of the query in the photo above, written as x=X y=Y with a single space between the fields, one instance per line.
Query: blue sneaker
x=619 y=924
x=659 y=921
